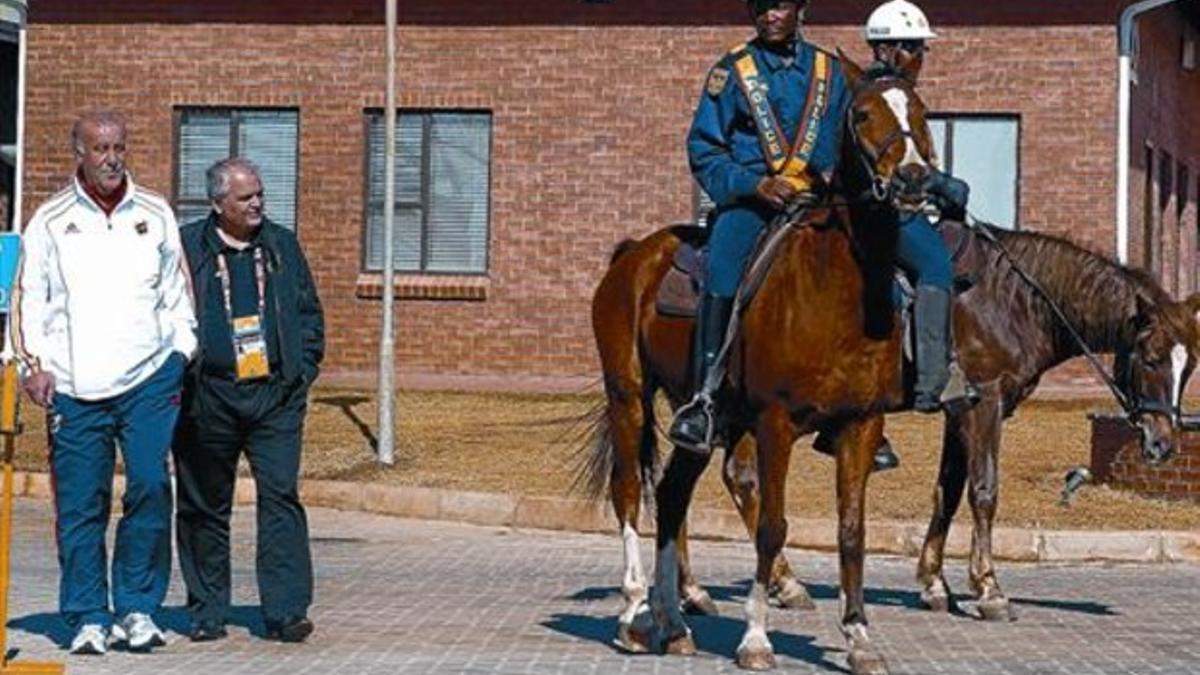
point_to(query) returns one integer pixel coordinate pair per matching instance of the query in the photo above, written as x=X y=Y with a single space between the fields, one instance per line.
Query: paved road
x=426 y=597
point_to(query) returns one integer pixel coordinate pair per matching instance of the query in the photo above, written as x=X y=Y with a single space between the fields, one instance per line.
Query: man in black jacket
x=262 y=338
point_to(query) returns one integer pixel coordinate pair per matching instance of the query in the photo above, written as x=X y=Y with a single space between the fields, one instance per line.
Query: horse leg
x=696 y=600
x=673 y=495
x=774 y=435
x=855 y=456
x=631 y=430
x=947 y=495
x=740 y=476
x=981 y=428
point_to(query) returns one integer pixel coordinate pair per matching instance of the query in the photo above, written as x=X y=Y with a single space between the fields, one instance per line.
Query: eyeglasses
x=914 y=47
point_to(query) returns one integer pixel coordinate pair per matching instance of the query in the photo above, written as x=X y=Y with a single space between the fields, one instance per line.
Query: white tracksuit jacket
x=102 y=300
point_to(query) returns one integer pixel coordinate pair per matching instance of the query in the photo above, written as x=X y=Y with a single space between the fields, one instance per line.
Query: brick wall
x=1117 y=461
x=587 y=149
x=1165 y=125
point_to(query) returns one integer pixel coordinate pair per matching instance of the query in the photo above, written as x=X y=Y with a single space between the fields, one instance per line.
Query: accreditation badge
x=250 y=348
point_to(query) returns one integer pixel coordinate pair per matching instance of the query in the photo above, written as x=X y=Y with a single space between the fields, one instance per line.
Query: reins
x=1131 y=411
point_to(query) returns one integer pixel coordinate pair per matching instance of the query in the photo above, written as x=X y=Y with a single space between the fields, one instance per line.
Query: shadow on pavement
x=174 y=619
x=46 y=624
x=714 y=635
x=1078 y=606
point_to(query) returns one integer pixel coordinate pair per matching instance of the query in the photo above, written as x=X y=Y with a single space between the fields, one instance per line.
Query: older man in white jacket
x=105 y=328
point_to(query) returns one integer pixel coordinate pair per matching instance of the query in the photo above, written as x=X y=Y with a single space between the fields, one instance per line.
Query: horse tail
x=597 y=455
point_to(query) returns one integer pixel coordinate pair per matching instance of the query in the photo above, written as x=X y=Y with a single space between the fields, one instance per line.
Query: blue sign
x=10 y=256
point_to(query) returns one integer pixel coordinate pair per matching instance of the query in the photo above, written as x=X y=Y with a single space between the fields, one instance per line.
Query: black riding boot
x=694 y=424
x=885 y=457
x=935 y=388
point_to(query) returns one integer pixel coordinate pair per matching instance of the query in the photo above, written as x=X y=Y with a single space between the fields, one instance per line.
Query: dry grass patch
x=526 y=444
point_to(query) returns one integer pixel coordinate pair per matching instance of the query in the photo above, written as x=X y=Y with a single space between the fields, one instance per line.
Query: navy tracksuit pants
x=222 y=418
x=83 y=438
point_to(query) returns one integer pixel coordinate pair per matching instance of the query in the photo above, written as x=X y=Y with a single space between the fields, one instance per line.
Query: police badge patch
x=717 y=77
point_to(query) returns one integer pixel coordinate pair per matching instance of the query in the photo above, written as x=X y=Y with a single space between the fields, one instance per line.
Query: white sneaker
x=138 y=632
x=91 y=638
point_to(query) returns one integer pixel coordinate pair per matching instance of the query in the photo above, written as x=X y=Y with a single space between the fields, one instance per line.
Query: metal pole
x=19 y=165
x=387 y=356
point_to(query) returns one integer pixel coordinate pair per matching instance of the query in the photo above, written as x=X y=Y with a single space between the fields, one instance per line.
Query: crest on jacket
x=717 y=77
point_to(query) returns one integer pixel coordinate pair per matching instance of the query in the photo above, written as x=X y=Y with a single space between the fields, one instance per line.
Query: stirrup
x=958 y=394
x=697 y=412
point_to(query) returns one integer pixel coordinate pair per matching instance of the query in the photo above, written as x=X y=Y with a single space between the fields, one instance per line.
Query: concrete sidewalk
x=576 y=515
x=418 y=596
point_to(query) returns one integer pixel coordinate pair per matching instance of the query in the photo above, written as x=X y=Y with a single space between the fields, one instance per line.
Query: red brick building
x=554 y=128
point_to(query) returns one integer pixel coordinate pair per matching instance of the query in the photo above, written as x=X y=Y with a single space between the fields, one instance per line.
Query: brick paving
x=408 y=596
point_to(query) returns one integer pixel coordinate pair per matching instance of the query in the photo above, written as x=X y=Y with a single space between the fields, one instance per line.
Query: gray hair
x=217 y=176
x=98 y=117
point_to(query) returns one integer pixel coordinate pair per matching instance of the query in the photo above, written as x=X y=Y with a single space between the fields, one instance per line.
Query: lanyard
x=260 y=278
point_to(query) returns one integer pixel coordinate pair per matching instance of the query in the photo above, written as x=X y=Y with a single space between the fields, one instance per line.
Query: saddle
x=679 y=292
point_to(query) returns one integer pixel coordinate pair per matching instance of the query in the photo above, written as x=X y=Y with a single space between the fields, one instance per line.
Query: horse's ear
x=910 y=65
x=1193 y=304
x=854 y=73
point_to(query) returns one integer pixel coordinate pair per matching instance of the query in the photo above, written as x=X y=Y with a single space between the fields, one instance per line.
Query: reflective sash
x=790 y=161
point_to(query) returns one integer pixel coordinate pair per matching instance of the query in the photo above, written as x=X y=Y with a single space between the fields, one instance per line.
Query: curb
x=578 y=515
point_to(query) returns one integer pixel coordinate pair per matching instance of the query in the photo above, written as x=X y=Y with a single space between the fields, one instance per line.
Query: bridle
x=868 y=154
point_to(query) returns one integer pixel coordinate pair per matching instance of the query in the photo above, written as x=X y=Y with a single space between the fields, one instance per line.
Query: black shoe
x=692 y=427
x=294 y=629
x=207 y=631
x=885 y=458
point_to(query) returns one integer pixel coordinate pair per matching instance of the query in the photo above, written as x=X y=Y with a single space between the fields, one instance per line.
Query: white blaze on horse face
x=1179 y=359
x=897 y=100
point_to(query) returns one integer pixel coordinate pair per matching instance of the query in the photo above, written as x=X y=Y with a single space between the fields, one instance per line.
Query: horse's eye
x=861 y=116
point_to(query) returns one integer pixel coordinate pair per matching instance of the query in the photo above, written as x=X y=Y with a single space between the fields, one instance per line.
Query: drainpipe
x=1124 y=59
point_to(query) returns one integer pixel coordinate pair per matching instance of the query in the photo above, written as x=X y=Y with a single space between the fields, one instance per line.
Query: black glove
x=948 y=194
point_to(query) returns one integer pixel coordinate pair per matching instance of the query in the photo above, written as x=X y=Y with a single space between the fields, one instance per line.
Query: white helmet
x=898 y=20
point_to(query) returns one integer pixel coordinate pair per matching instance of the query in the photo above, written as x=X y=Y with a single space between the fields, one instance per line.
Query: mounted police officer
x=897 y=32
x=766 y=131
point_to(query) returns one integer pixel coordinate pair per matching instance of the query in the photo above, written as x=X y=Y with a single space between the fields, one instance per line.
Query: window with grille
x=267 y=137
x=983 y=150
x=442 y=191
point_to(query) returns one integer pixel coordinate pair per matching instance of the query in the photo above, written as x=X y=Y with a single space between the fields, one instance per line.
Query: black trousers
x=266 y=419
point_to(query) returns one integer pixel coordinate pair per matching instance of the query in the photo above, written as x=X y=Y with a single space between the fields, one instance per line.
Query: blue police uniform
x=727 y=158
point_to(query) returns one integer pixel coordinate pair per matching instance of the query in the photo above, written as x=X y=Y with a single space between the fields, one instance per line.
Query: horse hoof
x=995 y=609
x=755 y=659
x=700 y=605
x=867 y=662
x=682 y=645
x=936 y=602
x=792 y=595
x=632 y=640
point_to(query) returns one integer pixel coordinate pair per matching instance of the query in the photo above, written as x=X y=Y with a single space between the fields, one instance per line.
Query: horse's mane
x=1096 y=293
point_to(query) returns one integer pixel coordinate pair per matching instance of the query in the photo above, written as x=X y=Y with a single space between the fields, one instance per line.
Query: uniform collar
x=776 y=60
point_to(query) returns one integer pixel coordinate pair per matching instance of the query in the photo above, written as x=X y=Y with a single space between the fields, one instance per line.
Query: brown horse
x=1008 y=335
x=817 y=347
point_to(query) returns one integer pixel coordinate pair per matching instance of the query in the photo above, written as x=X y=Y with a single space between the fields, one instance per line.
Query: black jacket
x=301 y=323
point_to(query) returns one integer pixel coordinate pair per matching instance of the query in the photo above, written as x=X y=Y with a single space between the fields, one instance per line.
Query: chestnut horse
x=817 y=346
x=1008 y=334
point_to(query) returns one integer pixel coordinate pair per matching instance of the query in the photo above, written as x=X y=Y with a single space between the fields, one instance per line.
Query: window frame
x=948 y=118
x=177 y=114
x=427 y=114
